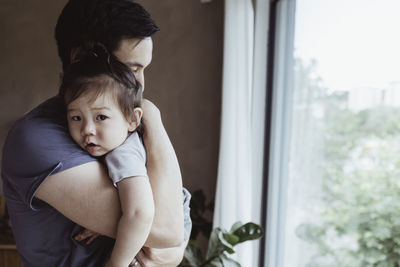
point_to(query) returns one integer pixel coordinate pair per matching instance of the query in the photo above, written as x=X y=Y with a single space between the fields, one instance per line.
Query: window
x=334 y=190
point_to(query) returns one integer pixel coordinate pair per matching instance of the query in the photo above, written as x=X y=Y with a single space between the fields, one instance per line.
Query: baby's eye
x=101 y=117
x=135 y=69
x=76 y=118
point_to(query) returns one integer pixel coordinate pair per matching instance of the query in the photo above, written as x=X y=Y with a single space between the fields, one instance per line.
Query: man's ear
x=73 y=54
x=135 y=119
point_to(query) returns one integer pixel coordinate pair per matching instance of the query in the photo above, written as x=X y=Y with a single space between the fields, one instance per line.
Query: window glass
x=343 y=198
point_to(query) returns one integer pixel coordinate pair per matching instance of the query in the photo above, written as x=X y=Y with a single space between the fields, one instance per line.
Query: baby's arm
x=137 y=206
x=126 y=167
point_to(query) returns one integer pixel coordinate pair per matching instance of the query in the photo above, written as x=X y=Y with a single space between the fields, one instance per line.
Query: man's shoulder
x=44 y=124
x=39 y=138
x=50 y=112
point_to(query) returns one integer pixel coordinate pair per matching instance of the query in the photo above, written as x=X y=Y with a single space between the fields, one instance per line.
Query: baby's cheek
x=74 y=135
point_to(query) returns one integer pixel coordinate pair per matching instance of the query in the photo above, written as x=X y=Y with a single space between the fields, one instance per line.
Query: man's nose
x=140 y=78
x=88 y=128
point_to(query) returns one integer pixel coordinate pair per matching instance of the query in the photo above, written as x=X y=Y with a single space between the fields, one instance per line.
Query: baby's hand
x=86 y=234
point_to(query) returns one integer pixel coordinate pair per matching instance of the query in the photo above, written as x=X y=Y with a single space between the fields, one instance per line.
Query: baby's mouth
x=91 y=147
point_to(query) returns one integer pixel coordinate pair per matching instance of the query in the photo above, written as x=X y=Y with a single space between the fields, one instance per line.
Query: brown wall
x=184 y=79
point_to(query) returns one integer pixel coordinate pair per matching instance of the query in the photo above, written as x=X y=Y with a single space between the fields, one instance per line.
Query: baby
x=103 y=101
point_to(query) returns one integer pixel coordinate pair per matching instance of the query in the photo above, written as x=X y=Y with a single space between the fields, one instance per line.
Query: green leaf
x=215 y=247
x=217 y=262
x=221 y=241
x=228 y=262
x=249 y=231
x=193 y=255
x=236 y=226
x=231 y=238
x=226 y=245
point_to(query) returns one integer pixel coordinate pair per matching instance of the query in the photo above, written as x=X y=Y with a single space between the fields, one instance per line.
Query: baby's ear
x=135 y=119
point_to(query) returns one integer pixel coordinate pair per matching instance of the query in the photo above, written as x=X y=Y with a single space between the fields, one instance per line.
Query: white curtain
x=240 y=168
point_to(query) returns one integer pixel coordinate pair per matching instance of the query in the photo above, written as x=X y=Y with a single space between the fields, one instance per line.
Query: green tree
x=359 y=222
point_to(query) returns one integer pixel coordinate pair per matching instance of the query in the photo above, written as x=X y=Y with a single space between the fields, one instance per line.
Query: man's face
x=136 y=54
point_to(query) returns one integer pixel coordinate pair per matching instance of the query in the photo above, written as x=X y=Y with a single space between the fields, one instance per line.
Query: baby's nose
x=88 y=128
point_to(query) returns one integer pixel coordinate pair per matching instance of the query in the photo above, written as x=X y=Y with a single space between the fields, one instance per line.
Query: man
x=53 y=188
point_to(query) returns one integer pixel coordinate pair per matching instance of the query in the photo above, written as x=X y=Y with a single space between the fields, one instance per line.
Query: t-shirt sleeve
x=35 y=149
x=186 y=213
x=127 y=160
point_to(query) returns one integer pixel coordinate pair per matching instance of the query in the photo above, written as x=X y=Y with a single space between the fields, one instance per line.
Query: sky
x=355 y=42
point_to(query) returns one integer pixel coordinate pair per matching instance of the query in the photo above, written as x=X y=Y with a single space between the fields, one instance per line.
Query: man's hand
x=161 y=257
x=87 y=234
x=151 y=114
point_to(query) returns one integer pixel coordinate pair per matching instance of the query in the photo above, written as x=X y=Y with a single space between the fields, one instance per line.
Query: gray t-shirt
x=127 y=160
x=37 y=146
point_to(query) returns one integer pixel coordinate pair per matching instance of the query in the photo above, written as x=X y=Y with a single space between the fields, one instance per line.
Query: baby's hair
x=96 y=70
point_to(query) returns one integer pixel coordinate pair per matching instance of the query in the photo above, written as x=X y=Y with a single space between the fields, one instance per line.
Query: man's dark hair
x=84 y=22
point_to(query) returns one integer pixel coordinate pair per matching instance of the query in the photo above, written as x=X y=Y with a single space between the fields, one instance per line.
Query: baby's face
x=97 y=126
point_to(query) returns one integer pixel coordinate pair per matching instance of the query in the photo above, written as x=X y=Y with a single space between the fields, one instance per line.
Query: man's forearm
x=166 y=182
x=85 y=195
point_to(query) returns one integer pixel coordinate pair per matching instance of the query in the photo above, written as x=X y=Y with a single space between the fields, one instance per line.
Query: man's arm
x=85 y=195
x=165 y=178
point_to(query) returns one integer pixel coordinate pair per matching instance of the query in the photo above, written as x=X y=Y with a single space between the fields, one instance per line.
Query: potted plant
x=221 y=242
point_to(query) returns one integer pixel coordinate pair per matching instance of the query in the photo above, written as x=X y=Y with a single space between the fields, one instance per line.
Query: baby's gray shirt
x=127 y=160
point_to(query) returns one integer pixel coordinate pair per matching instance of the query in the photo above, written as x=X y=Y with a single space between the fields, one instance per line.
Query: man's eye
x=135 y=69
x=101 y=117
x=76 y=118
